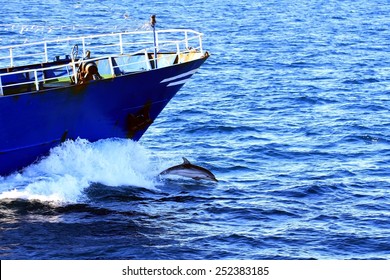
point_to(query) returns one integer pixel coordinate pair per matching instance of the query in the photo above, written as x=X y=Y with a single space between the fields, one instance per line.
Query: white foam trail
x=73 y=166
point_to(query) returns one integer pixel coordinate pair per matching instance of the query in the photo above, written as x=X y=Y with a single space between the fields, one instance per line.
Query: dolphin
x=187 y=169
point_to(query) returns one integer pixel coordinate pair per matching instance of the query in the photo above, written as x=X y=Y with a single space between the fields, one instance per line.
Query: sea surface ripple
x=290 y=112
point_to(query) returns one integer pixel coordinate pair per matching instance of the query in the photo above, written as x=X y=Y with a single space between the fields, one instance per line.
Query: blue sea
x=291 y=113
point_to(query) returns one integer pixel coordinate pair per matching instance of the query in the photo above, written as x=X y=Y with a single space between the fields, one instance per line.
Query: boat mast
x=153 y=25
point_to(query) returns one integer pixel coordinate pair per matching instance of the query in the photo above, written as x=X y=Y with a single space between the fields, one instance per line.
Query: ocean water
x=290 y=112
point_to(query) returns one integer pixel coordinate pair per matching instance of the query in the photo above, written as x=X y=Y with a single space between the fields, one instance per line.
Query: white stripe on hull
x=179 y=76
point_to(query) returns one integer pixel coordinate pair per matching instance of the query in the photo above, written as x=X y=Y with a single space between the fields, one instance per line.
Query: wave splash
x=72 y=167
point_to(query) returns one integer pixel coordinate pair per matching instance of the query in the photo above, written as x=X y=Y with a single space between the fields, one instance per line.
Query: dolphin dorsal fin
x=186 y=161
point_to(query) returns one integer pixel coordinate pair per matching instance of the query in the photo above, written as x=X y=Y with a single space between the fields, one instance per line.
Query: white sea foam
x=73 y=166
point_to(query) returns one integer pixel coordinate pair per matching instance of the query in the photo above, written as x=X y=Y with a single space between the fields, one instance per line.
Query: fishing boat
x=91 y=87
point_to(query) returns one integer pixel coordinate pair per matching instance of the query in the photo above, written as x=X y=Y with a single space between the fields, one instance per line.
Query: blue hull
x=123 y=106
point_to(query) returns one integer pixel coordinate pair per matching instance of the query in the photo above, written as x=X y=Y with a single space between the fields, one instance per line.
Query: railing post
x=1 y=88
x=120 y=43
x=83 y=40
x=74 y=71
x=111 y=66
x=178 y=52
x=200 y=43
x=11 y=56
x=46 y=55
x=36 y=80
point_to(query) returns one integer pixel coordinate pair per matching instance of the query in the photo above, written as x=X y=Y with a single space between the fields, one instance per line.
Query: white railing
x=102 y=47
x=109 y=44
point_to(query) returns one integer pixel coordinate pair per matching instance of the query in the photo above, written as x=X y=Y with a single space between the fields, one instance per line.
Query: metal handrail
x=83 y=41
x=122 y=44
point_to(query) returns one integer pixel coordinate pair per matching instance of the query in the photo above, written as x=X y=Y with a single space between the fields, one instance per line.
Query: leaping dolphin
x=187 y=169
